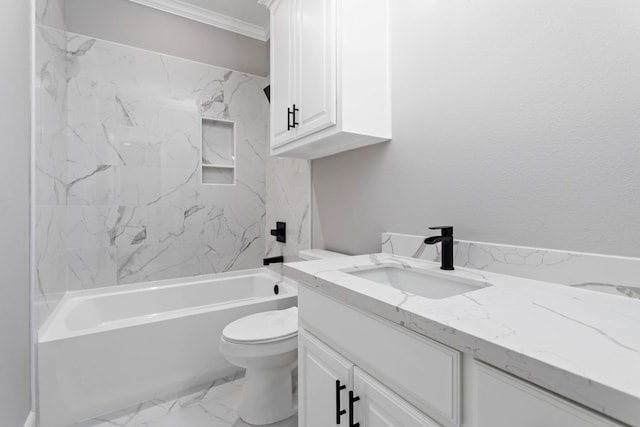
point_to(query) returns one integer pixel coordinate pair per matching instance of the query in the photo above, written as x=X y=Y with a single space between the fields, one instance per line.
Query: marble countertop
x=581 y=344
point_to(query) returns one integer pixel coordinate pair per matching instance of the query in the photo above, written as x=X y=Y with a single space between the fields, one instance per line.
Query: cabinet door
x=282 y=85
x=378 y=406
x=504 y=401
x=316 y=65
x=319 y=369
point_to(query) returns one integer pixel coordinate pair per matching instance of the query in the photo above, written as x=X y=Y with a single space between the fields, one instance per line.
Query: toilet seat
x=263 y=328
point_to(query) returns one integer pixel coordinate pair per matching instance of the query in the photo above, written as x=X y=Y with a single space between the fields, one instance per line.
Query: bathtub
x=107 y=349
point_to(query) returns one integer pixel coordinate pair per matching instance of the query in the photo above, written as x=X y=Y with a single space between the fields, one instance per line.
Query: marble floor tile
x=214 y=406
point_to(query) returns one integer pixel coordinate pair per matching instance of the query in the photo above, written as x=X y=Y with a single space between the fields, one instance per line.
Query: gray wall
x=15 y=112
x=517 y=122
x=129 y=23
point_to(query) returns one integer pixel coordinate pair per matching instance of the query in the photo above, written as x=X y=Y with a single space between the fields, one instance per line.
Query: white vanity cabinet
x=332 y=392
x=505 y=401
x=330 y=76
x=324 y=378
x=392 y=377
x=380 y=407
x=358 y=369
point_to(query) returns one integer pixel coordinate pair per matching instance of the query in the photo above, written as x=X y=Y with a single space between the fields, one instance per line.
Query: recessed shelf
x=218 y=151
x=218 y=176
x=219 y=166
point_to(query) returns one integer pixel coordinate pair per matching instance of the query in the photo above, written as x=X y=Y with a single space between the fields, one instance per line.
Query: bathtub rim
x=48 y=332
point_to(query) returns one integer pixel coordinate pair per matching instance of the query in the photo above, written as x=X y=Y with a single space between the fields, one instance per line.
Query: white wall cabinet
x=315 y=66
x=330 y=76
x=281 y=70
x=303 y=70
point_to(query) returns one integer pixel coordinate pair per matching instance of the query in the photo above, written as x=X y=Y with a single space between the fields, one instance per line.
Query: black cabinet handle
x=352 y=400
x=339 y=412
x=289 y=114
x=295 y=122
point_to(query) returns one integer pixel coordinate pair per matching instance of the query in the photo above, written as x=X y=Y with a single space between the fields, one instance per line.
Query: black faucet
x=446 y=238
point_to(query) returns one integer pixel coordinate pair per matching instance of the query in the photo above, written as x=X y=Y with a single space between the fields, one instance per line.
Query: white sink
x=426 y=283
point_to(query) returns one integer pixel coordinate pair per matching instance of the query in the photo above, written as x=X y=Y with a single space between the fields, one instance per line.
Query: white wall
x=517 y=122
x=15 y=400
x=129 y=23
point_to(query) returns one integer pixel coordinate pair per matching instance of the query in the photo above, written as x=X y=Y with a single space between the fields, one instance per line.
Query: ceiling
x=244 y=10
x=245 y=17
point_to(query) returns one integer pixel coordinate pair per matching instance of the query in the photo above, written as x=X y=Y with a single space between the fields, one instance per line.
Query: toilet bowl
x=266 y=345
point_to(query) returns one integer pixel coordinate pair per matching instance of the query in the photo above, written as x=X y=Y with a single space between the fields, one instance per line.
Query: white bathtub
x=107 y=349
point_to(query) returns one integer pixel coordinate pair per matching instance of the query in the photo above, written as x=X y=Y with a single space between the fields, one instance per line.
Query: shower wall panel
x=136 y=207
x=50 y=157
x=119 y=185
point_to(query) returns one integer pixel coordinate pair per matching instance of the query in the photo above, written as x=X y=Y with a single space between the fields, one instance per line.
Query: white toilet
x=266 y=344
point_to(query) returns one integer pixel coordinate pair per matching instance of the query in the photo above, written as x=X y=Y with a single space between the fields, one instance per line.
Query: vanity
x=387 y=340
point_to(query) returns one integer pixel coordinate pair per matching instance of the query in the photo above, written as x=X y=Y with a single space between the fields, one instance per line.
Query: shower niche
x=218 y=152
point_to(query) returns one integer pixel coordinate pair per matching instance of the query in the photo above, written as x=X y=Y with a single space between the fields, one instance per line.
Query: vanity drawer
x=422 y=371
x=506 y=401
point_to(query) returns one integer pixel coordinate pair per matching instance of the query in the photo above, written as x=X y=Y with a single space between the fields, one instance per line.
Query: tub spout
x=273 y=260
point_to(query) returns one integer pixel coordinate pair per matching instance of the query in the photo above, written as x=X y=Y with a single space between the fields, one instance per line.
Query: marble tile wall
x=50 y=157
x=603 y=273
x=126 y=203
x=288 y=200
x=136 y=208
x=50 y=13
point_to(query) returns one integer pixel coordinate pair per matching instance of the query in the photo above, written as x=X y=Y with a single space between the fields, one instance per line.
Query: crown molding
x=266 y=3
x=209 y=17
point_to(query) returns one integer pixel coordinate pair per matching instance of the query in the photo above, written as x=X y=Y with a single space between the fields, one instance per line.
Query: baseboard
x=31 y=420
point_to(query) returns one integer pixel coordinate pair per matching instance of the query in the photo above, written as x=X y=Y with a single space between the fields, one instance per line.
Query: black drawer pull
x=352 y=400
x=339 y=412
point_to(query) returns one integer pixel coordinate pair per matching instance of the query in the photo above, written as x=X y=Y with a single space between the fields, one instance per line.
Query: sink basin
x=429 y=284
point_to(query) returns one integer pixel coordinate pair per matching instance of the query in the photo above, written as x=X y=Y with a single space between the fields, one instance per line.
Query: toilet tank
x=315 y=254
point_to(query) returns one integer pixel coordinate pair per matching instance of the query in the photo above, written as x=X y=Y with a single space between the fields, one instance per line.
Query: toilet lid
x=263 y=327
